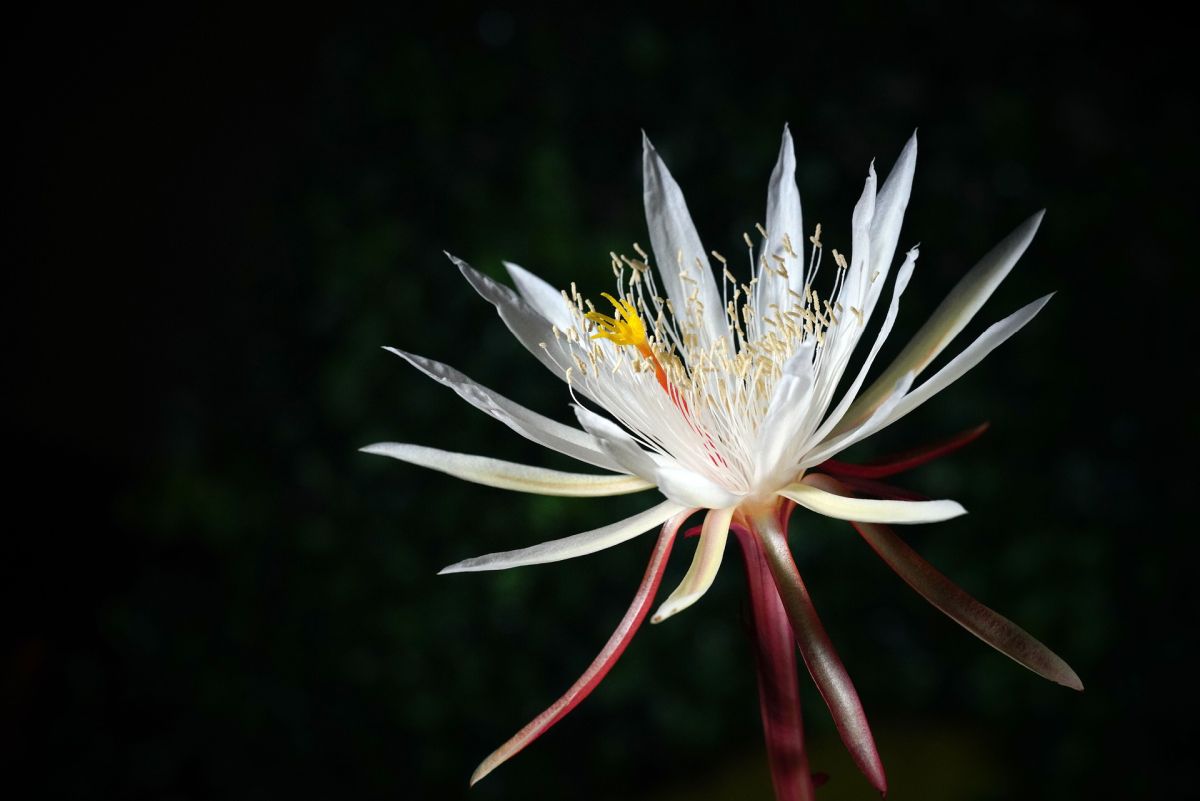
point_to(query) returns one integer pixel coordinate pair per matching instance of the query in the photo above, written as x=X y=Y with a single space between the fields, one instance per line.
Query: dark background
x=215 y=218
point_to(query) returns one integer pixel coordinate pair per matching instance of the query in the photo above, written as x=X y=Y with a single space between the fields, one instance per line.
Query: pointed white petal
x=889 y=217
x=548 y=301
x=974 y=353
x=617 y=443
x=678 y=251
x=902 y=278
x=783 y=218
x=685 y=487
x=865 y=510
x=704 y=567
x=538 y=428
x=948 y=319
x=570 y=547
x=835 y=444
x=789 y=413
x=510 y=475
x=527 y=324
x=841 y=339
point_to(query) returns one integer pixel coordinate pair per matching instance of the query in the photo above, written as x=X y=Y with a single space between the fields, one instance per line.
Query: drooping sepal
x=603 y=662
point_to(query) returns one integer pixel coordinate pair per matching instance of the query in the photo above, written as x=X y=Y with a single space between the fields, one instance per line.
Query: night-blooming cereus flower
x=722 y=396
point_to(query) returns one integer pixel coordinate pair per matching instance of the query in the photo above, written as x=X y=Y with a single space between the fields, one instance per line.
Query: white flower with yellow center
x=723 y=395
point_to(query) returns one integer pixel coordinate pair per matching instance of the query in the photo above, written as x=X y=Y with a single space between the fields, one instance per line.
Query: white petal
x=690 y=489
x=902 y=278
x=617 y=443
x=510 y=475
x=529 y=424
x=988 y=341
x=789 y=413
x=866 y=510
x=524 y=321
x=704 y=567
x=841 y=339
x=948 y=319
x=783 y=218
x=570 y=547
x=548 y=301
x=678 y=250
x=889 y=217
x=839 y=442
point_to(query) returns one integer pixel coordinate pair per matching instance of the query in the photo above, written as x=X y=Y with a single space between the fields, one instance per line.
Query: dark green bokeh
x=217 y=221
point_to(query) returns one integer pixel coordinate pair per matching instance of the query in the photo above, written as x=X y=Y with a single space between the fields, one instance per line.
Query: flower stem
x=778 y=689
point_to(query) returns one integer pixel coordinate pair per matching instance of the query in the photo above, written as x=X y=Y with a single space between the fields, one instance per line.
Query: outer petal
x=784 y=218
x=548 y=301
x=902 y=278
x=988 y=341
x=948 y=319
x=538 y=428
x=890 y=206
x=510 y=475
x=996 y=630
x=838 y=443
x=525 y=322
x=570 y=547
x=604 y=660
x=869 y=510
x=682 y=260
x=618 y=444
x=685 y=487
x=704 y=567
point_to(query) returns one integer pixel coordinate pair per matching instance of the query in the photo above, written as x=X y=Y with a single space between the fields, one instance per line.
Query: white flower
x=723 y=395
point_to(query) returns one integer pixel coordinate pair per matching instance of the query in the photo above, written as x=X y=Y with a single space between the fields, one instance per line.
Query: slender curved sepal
x=996 y=630
x=823 y=663
x=993 y=628
x=778 y=690
x=906 y=460
x=603 y=662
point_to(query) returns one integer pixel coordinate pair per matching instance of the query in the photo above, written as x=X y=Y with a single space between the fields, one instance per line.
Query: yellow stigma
x=625 y=328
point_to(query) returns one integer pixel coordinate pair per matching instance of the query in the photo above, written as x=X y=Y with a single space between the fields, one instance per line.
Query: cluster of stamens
x=720 y=390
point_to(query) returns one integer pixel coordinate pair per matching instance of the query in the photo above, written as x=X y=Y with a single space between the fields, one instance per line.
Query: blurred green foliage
x=231 y=214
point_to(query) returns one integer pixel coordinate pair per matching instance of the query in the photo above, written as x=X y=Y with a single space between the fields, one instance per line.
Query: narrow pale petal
x=948 y=319
x=790 y=413
x=525 y=322
x=890 y=206
x=822 y=661
x=570 y=547
x=974 y=353
x=617 y=443
x=682 y=261
x=902 y=278
x=905 y=461
x=778 y=689
x=685 y=487
x=548 y=301
x=784 y=219
x=603 y=662
x=538 y=428
x=835 y=444
x=866 y=509
x=704 y=567
x=510 y=475
x=996 y=630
